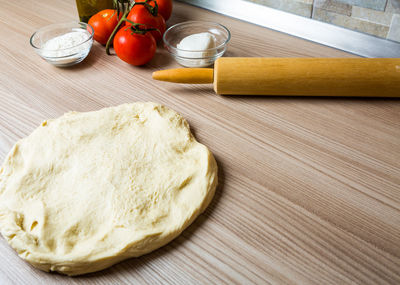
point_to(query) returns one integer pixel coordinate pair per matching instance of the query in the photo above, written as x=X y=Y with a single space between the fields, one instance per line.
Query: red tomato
x=164 y=8
x=134 y=48
x=103 y=24
x=140 y=14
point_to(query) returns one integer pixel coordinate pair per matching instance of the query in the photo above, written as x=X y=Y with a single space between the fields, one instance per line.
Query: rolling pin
x=378 y=77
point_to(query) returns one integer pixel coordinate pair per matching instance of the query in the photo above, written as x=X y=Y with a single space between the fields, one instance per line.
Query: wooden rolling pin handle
x=185 y=75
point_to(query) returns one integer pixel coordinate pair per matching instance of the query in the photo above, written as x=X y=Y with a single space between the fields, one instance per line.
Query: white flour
x=67 y=47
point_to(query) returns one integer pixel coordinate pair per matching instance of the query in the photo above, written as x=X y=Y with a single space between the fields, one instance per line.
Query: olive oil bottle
x=87 y=8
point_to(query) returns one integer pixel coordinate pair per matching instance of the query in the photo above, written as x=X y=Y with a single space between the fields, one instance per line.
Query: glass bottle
x=87 y=8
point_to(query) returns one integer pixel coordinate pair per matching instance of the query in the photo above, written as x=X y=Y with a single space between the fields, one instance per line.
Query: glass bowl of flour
x=63 y=44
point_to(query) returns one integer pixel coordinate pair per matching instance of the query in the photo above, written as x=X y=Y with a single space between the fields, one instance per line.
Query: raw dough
x=87 y=190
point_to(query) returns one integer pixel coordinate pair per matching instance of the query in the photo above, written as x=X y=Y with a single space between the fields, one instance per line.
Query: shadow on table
x=95 y=53
x=161 y=60
x=201 y=89
x=309 y=98
x=125 y=267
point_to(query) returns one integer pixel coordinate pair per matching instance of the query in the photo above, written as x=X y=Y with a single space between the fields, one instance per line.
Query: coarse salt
x=195 y=50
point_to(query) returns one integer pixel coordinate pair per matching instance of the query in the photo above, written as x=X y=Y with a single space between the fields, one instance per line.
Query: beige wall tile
x=351 y=23
x=351 y=14
x=373 y=16
x=394 y=31
x=393 y=6
x=299 y=7
x=333 y=6
x=372 y=4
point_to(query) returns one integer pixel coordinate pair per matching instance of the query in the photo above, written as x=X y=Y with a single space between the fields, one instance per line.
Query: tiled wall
x=380 y=18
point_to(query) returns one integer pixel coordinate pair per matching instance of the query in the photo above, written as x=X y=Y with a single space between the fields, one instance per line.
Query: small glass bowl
x=196 y=58
x=66 y=56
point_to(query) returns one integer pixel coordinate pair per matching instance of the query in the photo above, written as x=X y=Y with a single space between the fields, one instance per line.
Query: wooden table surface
x=309 y=188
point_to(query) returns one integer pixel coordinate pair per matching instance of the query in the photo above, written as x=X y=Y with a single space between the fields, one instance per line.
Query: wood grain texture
x=309 y=187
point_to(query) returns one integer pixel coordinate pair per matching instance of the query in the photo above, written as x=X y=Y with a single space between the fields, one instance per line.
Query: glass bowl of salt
x=196 y=43
x=63 y=44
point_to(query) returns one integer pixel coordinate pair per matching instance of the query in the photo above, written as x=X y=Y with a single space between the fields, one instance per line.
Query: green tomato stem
x=123 y=18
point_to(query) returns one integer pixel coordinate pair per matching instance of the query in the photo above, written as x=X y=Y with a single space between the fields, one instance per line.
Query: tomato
x=134 y=48
x=164 y=8
x=141 y=14
x=103 y=24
